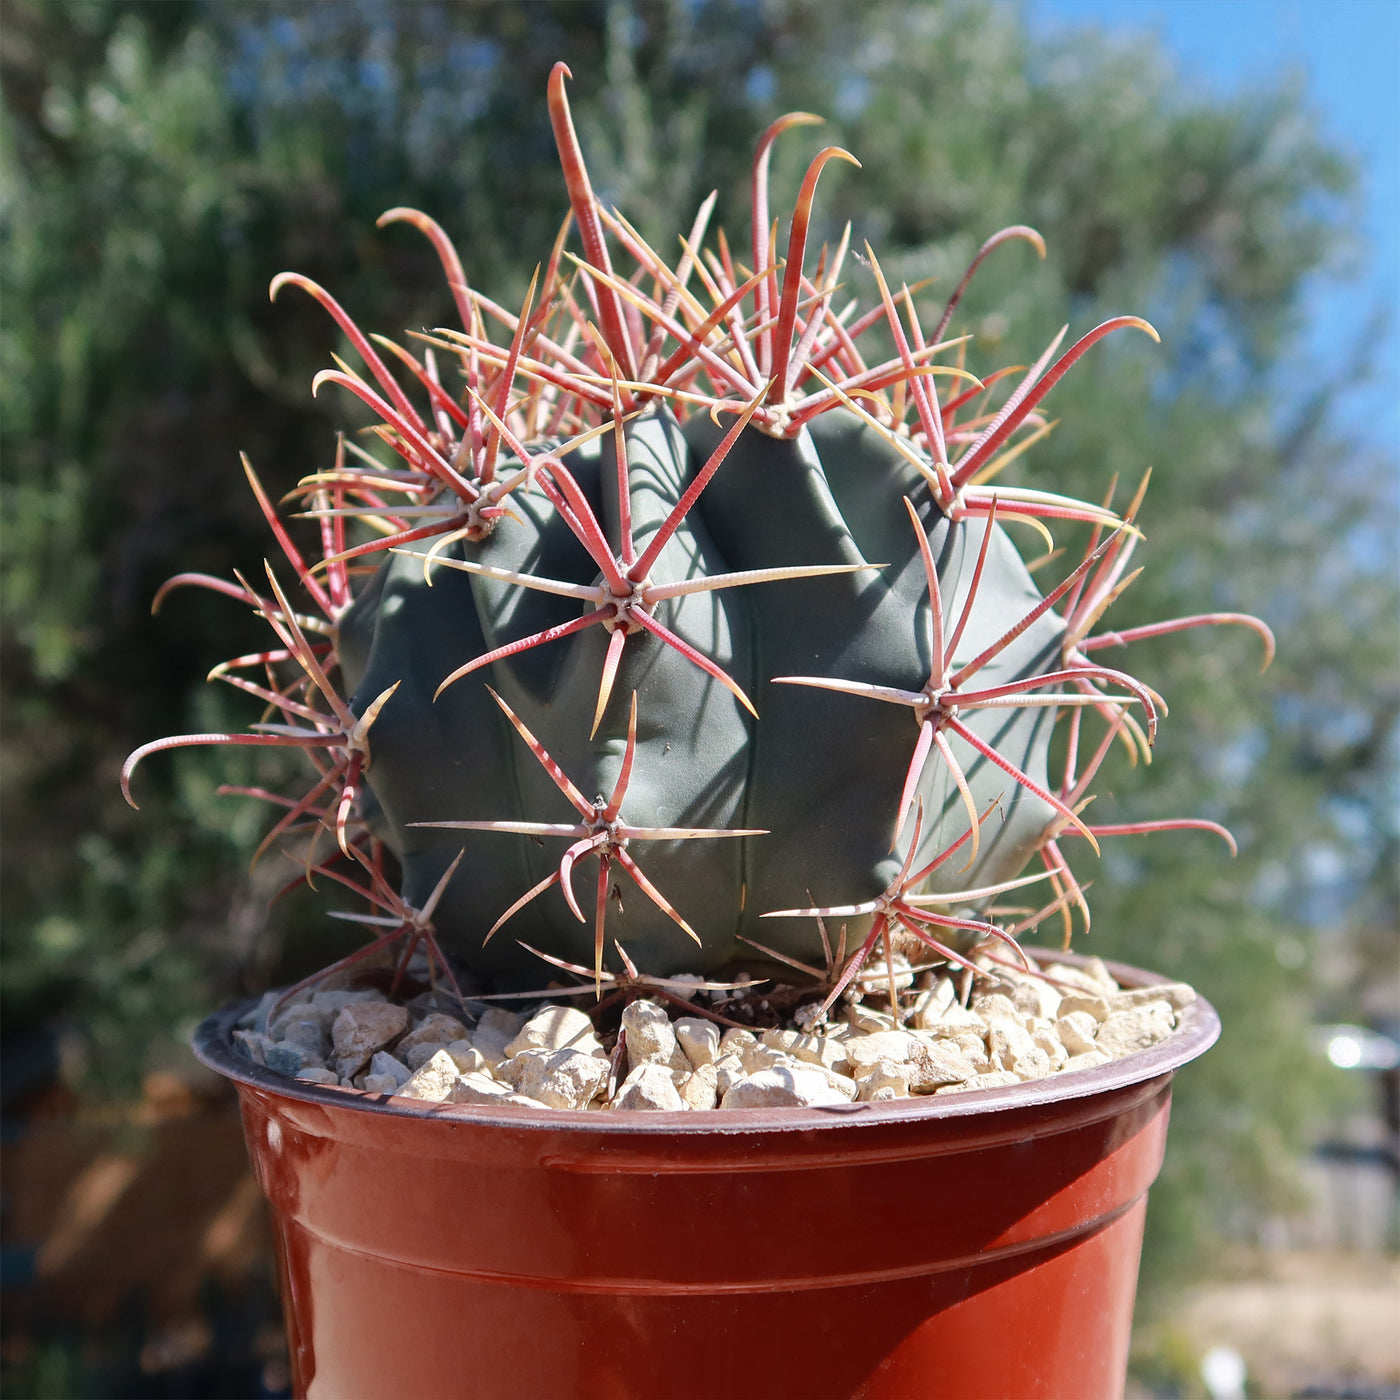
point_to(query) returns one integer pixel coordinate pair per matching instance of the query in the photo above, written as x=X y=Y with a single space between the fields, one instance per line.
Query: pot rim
x=1197 y=1030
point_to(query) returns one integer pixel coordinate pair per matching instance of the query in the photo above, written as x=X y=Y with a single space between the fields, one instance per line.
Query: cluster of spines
x=767 y=345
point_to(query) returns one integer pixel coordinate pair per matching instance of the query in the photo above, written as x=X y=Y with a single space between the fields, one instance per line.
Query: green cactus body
x=821 y=772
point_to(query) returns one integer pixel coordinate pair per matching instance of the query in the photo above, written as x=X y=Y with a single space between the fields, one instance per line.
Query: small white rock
x=994 y=1006
x=1008 y=1042
x=874 y=977
x=934 y=1063
x=650 y=1038
x=649 y=1087
x=1126 y=1031
x=1094 y=1004
x=864 y=1051
x=1048 y=1042
x=701 y=1087
x=1076 y=1031
x=1035 y=1064
x=434 y=1082
x=434 y=1029
x=556 y=1028
x=416 y=1056
x=330 y=1004
x=994 y=1079
x=729 y=1070
x=1090 y=1059
x=317 y=1075
x=363 y=1027
x=699 y=1039
x=737 y=1041
x=783 y=1087
x=886 y=1079
x=567 y=1078
x=300 y=1030
x=932 y=1003
x=867 y=1021
x=1178 y=994
x=956 y=1020
x=1043 y=999
x=254 y=1045
x=382 y=1062
x=287 y=1057
x=478 y=1088
x=467 y=1058
x=814 y=1049
x=1097 y=969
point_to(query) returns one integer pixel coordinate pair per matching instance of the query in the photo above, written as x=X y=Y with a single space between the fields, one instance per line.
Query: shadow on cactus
x=731 y=573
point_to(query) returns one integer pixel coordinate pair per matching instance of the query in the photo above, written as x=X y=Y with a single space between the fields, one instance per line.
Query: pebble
x=933 y=1003
x=974 y=1047
x=555 y=1028
x=363 y=1027
x=433 y=1030
x=994 y=1005
x=993 y=1079
x=729 y=1070
x=467 y=1058
x=955 y=1020
x=651 y=1039
x=286 y=1057
x=382 y=1062
x=1177 y=994
x=306 y=1032
x=567 y=1078
x=864 y=1051
x=699 y=1039
x=886 y=1079
x=1008 y=1042
x=783 y=1086
x=649 y=1086
x=434 y=1082
x=1053 y=1047
x=478 y=1088
x=254 y=1045
x=700 y=1089
x=1016 y=1028
x=1135 y=1029
x=1094 y=1004
x=1076 y=1031
x=814 y=1049
x=936 y=1063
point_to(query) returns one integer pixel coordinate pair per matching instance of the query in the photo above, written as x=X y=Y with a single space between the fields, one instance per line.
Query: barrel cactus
x=666 y=621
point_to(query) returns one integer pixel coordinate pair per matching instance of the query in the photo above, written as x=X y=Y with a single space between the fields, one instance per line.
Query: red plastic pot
x=976 y=1245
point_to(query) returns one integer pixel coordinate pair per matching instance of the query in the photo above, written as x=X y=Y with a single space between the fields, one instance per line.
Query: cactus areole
x=679 y=614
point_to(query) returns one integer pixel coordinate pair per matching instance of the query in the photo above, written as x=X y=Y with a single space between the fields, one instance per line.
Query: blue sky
x=1348 y=52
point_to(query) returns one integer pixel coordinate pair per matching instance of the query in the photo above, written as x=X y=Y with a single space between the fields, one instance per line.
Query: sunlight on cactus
x=666 y=511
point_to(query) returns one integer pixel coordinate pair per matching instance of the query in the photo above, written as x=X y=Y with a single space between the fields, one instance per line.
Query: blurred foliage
x=162 y=161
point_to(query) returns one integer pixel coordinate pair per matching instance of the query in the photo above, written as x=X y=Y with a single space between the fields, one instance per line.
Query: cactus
x=762 y=655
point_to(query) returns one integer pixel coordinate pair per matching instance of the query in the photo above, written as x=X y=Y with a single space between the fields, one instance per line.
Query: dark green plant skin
x=821 y=772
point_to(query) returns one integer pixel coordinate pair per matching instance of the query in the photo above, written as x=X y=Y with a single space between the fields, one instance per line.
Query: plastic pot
x=983 y=1244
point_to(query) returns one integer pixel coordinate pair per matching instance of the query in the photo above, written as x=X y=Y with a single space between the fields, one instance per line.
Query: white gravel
x=1015 y=1027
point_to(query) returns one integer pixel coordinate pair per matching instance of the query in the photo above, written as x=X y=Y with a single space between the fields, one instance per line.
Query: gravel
x=1015 y=1026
